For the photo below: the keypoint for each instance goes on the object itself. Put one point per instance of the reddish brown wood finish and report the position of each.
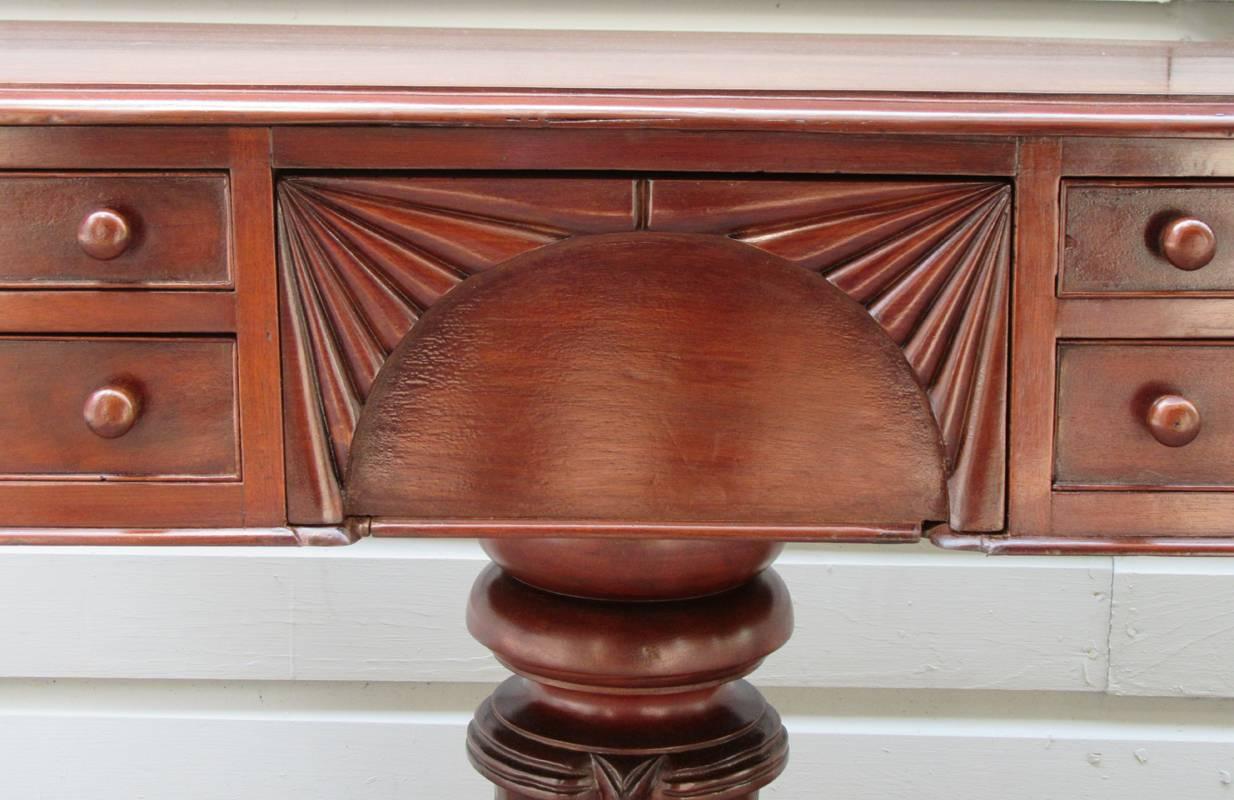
(1145, 318)
(120, 506)
(1146, 158)
(1031, 419)
(1147, 239)
(855, 112)
(182, 428)
(111, 311)
(549, 528)
(624, 701)
(557, 383)
(167, 230)
(684, 567)
(1118, 514)
(238, 160)
(635, 149)
(105, 233)
(363, 258)
(367, 255)
(1123, 420)
(257, 328)
(112, 410)
(930, 263)
(65, 148)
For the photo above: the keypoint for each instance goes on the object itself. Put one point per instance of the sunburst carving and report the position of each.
(363, 257)
(929, 260)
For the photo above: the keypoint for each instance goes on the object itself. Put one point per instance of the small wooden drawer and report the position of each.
(1145, 415)
(126, 231)
(1147, 239)
(118, 409)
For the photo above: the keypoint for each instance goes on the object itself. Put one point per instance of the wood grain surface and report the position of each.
(186, 428)
(176, 234)
(1106, 394)
(559, 382)
(1113, 238)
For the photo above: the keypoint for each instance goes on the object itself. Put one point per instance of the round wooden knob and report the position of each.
(104, 234)
(1173, 420)
(112, 411)
(1188, 243)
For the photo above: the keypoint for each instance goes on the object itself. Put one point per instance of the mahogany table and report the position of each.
(632, 339)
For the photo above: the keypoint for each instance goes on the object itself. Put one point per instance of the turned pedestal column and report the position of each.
(633, 422)
(636, 691)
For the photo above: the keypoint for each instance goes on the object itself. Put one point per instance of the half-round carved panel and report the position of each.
(648, 377)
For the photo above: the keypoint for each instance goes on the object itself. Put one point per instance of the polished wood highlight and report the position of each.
(1173, 420)
(852, 112)
(1187, 243)
(160, 231)
(112, 411)
(105, 234)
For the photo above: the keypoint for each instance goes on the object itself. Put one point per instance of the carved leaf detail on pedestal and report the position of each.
(537, 765)
(930, 261)
(363, 257)
(636, 780)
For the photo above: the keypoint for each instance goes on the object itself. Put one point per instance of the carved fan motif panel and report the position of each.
(363, 257)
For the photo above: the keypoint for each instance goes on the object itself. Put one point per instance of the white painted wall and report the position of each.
(1197, 20)
(281, 674)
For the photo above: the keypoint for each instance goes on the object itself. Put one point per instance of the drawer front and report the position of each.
(1145, 415)
(137, 409)
(126, 231)
(1123, 238)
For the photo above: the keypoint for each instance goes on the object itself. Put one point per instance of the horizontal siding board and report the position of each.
(913, 617)
(1172, 627)
(136, 740)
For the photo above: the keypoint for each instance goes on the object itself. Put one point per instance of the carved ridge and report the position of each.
(363, 257)
(929, 261)
(508, 757)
